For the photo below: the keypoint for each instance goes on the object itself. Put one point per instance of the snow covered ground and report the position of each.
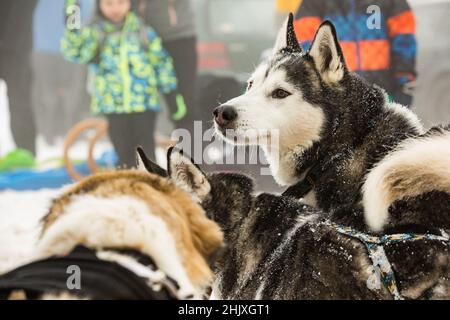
(20, 213)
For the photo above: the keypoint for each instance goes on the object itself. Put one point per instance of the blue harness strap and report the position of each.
(380, 262)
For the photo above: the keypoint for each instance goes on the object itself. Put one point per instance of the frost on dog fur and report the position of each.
(343, 138)
(269, 235)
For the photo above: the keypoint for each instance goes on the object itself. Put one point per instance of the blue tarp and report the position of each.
(27, 180)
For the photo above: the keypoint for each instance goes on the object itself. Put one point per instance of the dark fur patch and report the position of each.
(358, 132)
(269, 253)
(149, 165)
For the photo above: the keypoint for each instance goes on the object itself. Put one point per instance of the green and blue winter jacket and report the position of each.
(128, 72)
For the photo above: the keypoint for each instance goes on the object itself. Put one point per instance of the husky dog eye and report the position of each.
(280, 94)
(249, 85)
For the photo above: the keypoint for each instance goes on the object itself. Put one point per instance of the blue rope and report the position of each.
(380, 262)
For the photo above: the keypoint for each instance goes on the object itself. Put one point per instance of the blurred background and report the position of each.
(45, 140)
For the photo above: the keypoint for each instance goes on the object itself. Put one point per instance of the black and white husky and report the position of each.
(343, 147)
(278, 248)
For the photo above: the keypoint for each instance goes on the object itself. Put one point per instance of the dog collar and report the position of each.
(303, 187)
(375, 246)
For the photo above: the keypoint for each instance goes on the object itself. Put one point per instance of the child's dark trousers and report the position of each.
(127, 131)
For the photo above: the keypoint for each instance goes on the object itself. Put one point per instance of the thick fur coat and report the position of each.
(376, 167)
(279, 248)
(118, 211)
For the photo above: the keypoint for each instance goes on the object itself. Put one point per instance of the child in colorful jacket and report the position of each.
(377, 38)
(130, 68)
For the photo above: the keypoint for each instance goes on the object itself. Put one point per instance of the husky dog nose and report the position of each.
(224, 115)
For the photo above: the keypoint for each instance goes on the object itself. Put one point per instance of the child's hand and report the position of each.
(177, 106)
(71, 3)
(181, 109)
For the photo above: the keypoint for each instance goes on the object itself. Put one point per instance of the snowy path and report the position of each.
(20, 213)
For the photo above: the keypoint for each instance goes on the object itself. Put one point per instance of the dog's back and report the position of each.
(285, 250)
(280, 248)
(417, 172)
(139, 212)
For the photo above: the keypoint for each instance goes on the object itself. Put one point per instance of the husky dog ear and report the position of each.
(287, 39)
(186, 174)
(327, 54)
(145, 164)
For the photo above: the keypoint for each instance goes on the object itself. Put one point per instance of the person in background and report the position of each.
(130, 68)
(174, 21)
(376, 36)
(16, 42)
(60, 97)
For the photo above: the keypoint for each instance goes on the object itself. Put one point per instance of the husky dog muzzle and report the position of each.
(225, 116)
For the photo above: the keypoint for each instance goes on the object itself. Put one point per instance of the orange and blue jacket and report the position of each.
(376, 36)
